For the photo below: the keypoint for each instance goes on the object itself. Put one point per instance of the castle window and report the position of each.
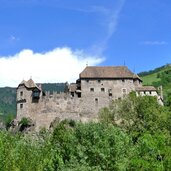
(72, 94)
(124, 91)
(79, 95)
(21, 106)
(36, 94)
(110, 92)
(96, 100)
(87, 81)
(21, 93)
(92, 89)
(102, 89)
(99, 81)
(123, 80)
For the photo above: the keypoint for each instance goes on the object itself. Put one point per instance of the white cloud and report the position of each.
(108, 17)
(110, 23)
(12, 39)
(58, 65)
(154, 43)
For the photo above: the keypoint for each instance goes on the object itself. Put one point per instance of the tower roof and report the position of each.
(29, 84)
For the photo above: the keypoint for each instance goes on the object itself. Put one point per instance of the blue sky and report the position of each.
(98, 32)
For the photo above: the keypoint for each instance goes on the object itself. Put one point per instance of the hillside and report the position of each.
(159, 77)
(7, 100)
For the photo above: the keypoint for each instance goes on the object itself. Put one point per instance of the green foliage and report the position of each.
(7, 120)
(22, 153)
(148, 125)
(25, 121)
(133, 134)
(7, 101)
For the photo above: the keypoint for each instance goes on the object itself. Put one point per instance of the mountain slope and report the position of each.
(159, 77)
(7, 100)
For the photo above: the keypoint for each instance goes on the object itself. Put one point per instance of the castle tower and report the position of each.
(27, 93)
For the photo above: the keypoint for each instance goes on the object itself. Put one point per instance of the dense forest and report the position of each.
(132, 134)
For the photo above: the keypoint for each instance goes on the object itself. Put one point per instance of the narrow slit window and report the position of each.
(21, 106)
(102, 89)
(21, 93)
(124, 91)
(91, 89)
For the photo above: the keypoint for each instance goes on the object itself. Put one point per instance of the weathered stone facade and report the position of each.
(95, 89)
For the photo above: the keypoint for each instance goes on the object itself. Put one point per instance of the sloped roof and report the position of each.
(145, 88)
(107, 72)
(29, 84)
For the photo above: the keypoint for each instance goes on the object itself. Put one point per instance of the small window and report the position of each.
(123, 80)
(87, 81)
(92, 89)
(21, 93)
(72, 94)
(96, 100)
(102, 89)
(124, 91)
(110, 94)
(79, 95)
(99, 81)
(150, 92)
(36, 94)
(21, 106)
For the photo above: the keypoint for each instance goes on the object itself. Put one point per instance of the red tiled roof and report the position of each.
(107, 72)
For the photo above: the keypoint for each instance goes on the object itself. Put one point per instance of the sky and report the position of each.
(54, 40)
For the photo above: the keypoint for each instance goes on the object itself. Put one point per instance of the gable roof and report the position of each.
(29, 84)
(108, 72)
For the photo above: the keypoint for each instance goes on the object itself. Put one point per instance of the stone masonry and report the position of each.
(96, 88)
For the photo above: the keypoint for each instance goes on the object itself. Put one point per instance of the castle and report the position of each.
(96, 88)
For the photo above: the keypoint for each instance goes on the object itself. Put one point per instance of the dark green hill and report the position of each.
(159, 77)
(7, 101)
(53, 87)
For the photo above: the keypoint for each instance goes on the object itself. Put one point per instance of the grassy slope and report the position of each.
(160, 77)
(150, 78)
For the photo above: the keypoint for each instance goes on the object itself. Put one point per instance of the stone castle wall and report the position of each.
(52, 106)
(95, 95)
